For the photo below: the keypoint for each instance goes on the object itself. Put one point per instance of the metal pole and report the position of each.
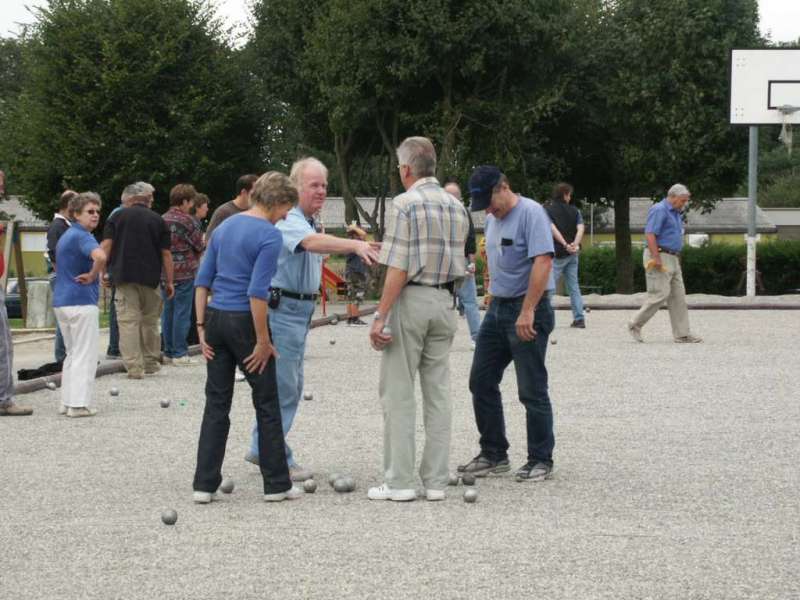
(752, 189)
(591, 224)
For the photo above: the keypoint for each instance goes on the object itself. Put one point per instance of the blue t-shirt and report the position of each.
(667, 225)
(240, 262)
(298, 271)
(511, 244)
(74, 252)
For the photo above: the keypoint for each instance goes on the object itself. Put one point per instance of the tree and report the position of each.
(124, 90)
(661, 90)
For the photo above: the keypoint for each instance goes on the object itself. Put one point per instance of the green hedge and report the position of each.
(714, 269)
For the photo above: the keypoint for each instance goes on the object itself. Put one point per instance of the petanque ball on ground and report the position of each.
(227, 485)
(310, 486)
(334, 320)
(332, 342)
(453, 480)
(164, 403)
(114, 391)
(51, 385)
(169, 517)
(470, 495)
(308, 396)
(553, 341)
(468, 479)
(344, 485)
(333, 477)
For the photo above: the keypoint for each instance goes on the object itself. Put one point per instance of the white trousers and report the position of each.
(81, 330)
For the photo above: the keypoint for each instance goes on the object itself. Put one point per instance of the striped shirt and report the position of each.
(426, 230)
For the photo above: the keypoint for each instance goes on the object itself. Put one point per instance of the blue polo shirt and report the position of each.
(298, 271)
(511, 245)
(667, 225)
(240, 262)
(74, 252)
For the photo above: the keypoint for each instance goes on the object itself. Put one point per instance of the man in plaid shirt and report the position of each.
(423, 248)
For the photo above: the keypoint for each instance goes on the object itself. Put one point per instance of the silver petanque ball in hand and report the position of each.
(309, 486)
(169, 517)
(470, 495)
(164, 403)
(227, 485)
(114, 391)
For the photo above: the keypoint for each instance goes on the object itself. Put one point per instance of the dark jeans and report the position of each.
(60, 349)
(113, 327)
(233, 337)
(497, 345)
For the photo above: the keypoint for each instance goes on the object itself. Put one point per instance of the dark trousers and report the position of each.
(497, 345)
(233, 337)
(113, 327)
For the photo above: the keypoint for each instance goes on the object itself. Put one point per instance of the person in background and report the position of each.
(241, 259)
(239, 204)
(199, 211)
(186, 246)
(57, 228)
(80, 263)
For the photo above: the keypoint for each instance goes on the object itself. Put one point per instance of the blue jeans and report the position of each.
(61, 349)
(568, 267)
(468, 296)
(113, 327)
(497, 346)
(176, 319)
(233, 337)
(288, 325)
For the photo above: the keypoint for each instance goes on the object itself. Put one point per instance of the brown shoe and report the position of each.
(81, 411)
(688, 339)
(14, 410)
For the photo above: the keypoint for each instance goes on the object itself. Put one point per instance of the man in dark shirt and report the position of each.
(57, 228)
(137, 242)
(244, 185)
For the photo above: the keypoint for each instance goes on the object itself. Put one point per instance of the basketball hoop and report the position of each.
(786, 129)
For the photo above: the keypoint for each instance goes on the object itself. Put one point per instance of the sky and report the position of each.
(779, 18)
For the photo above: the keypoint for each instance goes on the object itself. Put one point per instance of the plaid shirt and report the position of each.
(425, 234)
(186, 245)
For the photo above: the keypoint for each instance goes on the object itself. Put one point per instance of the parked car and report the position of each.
(13, 301)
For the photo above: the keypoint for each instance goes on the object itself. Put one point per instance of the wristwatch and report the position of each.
(377, 316)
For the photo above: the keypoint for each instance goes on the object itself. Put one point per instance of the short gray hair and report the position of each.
(678, 190)
(299, 167)
(140, 189)
(79, 201)
(273, 189)
(419, 154)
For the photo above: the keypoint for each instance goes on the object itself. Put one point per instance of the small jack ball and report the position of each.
(165, 403)
(227, 485)
(114, 391)
(310, 486)
(169, 517)
(308, 396)
(468, 479)
(470, 495)
(51, 385)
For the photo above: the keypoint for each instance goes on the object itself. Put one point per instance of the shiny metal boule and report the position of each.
(309, 486)
(227, 485)
(468, 479)
(164, 403)
(169, 517)
(470, 495)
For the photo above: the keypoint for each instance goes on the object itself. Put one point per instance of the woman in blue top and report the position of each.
(80, 261)
(237, 269)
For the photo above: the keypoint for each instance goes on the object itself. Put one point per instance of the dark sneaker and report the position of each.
(481, 466)
(358, 322)
(534, 471)
(579, 324)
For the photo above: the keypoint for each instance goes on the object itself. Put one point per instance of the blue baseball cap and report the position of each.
(481, 183)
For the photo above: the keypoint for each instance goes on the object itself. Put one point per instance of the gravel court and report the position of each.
(676, 477)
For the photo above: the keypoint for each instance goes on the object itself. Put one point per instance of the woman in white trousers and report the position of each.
(79, 261)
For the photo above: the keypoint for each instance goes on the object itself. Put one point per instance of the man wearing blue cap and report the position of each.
(519, 247)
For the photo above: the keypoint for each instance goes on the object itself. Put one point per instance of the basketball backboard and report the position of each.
(762, 82)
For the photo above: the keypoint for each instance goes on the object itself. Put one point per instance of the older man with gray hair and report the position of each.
(662, 264)
(414, 325)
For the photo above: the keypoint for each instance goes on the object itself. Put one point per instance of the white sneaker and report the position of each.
(80, 411)
(202, 497)
(434, 495)
(293, 493)
(384, 492)
(184, 361)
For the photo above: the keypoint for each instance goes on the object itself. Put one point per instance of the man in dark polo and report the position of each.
(137, 242)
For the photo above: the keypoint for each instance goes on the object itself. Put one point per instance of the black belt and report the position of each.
(295, 295)
(449, 286)
(660, 249)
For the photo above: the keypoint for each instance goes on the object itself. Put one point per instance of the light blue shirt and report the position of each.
(511, 245)
(298, 271)
(667, 225)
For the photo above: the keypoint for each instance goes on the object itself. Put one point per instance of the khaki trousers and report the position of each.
(665, 286)
(423, 324)
(138, 313)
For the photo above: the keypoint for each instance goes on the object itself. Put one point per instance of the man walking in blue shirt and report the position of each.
(662, 264)
(519, 247)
